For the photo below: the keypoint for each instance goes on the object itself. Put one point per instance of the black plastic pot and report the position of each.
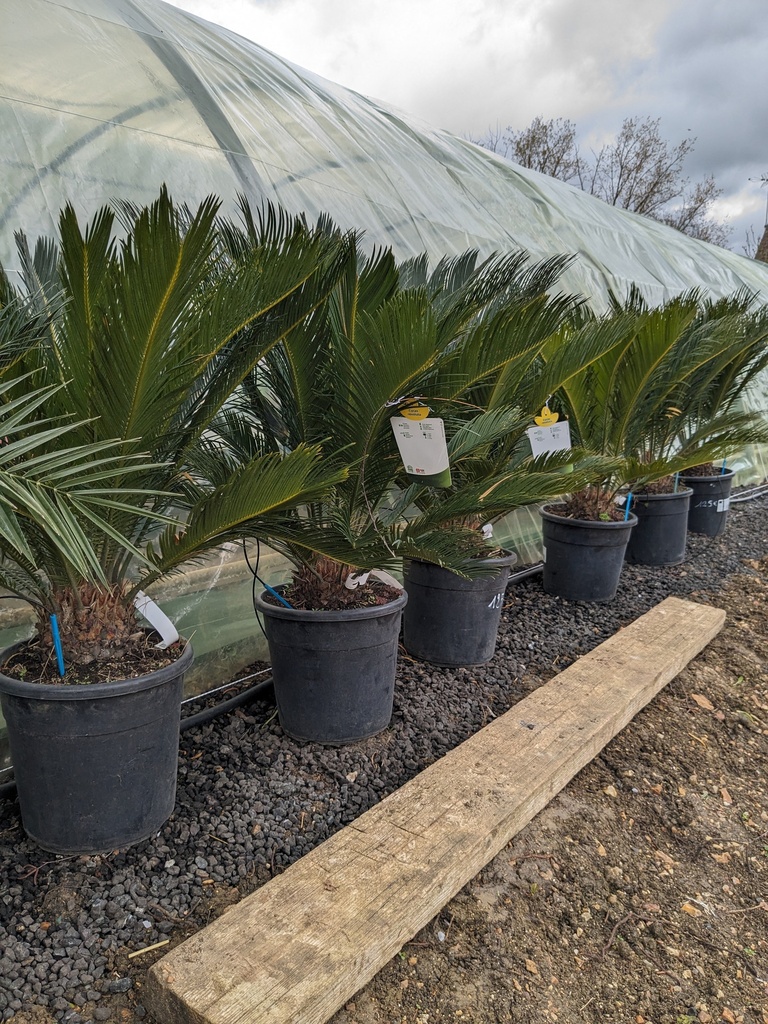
(333, 672)
(662, 528)
(450, 620)
(582, 558)
(95, 764)
(711, 497)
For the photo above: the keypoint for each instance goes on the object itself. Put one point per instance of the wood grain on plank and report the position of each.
(297, 949)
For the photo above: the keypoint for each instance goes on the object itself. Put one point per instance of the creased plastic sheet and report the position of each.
(110, 98)
(105, 99)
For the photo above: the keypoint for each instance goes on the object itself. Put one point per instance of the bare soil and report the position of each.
(640, 894)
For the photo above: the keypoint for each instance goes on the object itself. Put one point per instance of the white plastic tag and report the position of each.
(356, 579)
(359, 579)
(423, 449)
(157, 618)
(487, 531)
(554, 438)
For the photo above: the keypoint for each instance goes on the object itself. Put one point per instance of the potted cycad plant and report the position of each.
(390, 333)
(716, 392)
(454, 609)
(144, 341)
(386, 332)
(701, 357)
(638, 405)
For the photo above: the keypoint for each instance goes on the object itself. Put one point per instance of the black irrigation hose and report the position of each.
(522, 574)
(260, 691)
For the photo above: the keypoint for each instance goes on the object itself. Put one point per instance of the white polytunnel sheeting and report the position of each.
(106, 99)
(111, 98)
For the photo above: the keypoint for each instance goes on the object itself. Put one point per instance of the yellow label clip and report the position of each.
(417, 411)
(546, 419)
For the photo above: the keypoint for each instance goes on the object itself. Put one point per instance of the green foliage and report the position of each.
(466, 337)
(665, 397)
(134, 348)
(204, 380)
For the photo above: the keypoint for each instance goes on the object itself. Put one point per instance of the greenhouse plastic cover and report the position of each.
(106, 99)
(111, 98)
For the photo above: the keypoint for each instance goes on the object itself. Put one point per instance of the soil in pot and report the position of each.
(95, 764)
(450, 620)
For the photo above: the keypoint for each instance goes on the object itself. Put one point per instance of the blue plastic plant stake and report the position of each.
(677, 481)
(628, 506)
(722, 468)
(274, 593)
(57, 644)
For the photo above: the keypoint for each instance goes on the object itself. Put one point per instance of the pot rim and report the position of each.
(508, 558)
(90, 691)
(618, 524)
(727, 475)
(278, 611)
(681, 492)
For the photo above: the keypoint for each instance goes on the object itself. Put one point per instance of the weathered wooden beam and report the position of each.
(297, 949)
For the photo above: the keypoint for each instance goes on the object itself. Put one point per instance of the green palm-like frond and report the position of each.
(136, 348)
(663, 397)
(253, 500)
(48, 502)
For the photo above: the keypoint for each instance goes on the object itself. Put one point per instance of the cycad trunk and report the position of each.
(94, 623)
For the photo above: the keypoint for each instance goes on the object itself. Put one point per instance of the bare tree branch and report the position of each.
(638, 171)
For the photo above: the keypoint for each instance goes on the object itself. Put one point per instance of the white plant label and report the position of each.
(359, 579)
(423, 449)
(157, 618)
(718, 504)
(554, 438)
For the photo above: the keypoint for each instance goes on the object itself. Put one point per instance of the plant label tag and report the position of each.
(723, 504)
(546, 417)
(157, 618)
(546, 439)
(423, 449)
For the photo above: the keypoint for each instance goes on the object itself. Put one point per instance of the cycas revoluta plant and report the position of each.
(144, 341)
(465, 338)
(666, 397)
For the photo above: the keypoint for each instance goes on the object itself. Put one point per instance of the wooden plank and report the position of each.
(297, 949)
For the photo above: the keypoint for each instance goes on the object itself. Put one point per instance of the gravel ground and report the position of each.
(251, 801)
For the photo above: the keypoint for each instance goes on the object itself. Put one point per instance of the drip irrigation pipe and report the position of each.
(756, 492)
(261, 691)
(521, 574)
(197, 697)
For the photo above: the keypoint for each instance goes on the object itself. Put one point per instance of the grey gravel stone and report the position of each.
(121, 985)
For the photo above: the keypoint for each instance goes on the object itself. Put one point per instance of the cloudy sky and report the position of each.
(698, 65)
